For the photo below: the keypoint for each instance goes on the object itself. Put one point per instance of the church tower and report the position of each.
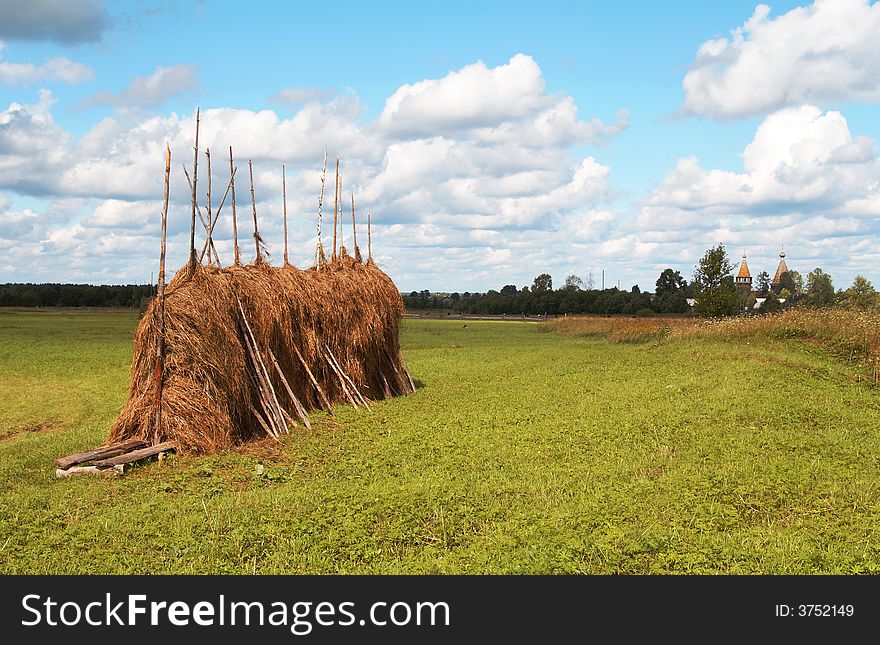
(782, 269)
(744, 278)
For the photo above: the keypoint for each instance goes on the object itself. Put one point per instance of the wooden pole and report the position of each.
(210, 215)
(234, 222)
(369, 235)
(199, 213)
(214, 223)
(354, 226)
(335, 207)
(254, 207)
(341, 225)
(318, 250)
(192, 227)
(160, 304)
(284, 194)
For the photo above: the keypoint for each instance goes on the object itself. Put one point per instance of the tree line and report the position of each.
(713, 292)
(713, 289)
(74, 295)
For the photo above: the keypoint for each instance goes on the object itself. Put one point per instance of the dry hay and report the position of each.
(210, 396)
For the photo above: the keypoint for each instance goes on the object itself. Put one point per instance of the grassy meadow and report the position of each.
(523, 451)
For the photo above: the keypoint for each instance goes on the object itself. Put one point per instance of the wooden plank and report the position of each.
(136, 455)
(100, 453)
(88, 470)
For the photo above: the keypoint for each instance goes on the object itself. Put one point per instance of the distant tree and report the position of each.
(714, 288)
(674, 302)
(820, 291)
(762, 283)
(635, 289)
(861, 295)
(508, 289)
(669, 282)
(770, 304)
(542, 283)
(573, 282)
(793, 281)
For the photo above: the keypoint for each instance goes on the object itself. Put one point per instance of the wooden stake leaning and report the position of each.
(160, 305)
(262, 422)
(300, 410)
(348, 378)
(341, 377)
(406, 371)
(192, 227)
(271, 415)
(214, 222)
(400, 379)
(324, 400)
(234, 222)
(201, 217)
(263, 372)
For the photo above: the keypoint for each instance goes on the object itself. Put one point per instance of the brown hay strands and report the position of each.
(305, 326)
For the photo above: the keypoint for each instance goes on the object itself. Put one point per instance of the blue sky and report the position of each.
(492, 141)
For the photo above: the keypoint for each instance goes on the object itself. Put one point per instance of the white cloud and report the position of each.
(32, 147)
(477, 185)
(473, 96)
(151, 90)
(806, 182)
(799, 158)
(824, 52)
(56, 69)
(504, 103)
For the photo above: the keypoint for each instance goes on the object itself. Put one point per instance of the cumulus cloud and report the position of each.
(151, 90)
(507, 102)
(476, 186)
(32, 148)
(56, 69)
(60, 21)
(824, 52)
(799, 158)
(806, 182)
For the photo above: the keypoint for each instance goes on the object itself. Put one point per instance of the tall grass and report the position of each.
(851, 335)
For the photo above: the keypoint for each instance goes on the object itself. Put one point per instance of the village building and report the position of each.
(744, 279)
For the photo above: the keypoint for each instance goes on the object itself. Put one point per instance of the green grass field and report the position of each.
(523, 451)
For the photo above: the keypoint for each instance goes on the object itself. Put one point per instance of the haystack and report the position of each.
(309, 321)
(223, 355)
